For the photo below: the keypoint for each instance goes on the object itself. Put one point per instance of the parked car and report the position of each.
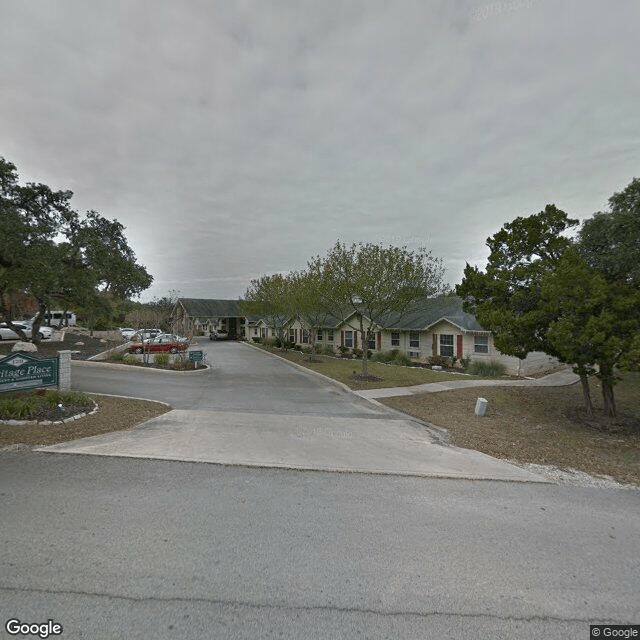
(163, 338)
(213, 334)
(127, 332)
(7, 333)
(154, 347)
(145, 334)
(44, 332)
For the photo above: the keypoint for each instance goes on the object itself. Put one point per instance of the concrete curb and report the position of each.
(113, 365)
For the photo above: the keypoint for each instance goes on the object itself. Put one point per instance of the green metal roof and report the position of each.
(205, 308)
(434, 310)
(447, 308)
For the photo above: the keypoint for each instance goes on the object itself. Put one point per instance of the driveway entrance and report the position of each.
(254, 409)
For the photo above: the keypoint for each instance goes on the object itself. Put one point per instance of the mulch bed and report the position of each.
(83, 346)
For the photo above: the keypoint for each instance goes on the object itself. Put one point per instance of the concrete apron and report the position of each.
(319, 443)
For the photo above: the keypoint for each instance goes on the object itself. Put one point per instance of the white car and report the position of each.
(127, 332)
(45, 333)
(145, 334)
(7, 333)
(163, 338)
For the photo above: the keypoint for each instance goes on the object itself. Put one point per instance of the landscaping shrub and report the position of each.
(257, 339)
(402, 359)
(306, 350)
(20, 406)
(343, 350)
(484, 369)
(439, 361)
(357, 353)
(117, 356)
(129, 358)
(328, 350)
(317, 348)
(162, 358)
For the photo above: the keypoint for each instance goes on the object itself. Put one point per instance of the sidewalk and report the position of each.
(557, 379)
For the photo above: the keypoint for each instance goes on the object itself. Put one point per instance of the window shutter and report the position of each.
(355, 339)
(379, 340)
(342, 338)
(459, 346)
(434, 348)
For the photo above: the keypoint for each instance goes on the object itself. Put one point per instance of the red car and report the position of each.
(154, 347)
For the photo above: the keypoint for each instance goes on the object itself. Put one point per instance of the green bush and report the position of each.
(74, 397)
(18, 408)
(257, 339)
(439, 361)
(357, 352)
(317, 348)
(342, 349)
(385, 356)
(117, 356)
(162, 358)
(402, 359)
(129, 358)
(328, 350)
(484, 369)
(22, 405)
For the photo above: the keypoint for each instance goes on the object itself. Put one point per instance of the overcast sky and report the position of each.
(234, 138)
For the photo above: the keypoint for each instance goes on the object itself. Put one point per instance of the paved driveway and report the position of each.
(254, 409)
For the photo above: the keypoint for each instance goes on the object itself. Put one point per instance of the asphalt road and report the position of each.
(240, 379)
(113, 547)
(122, 548)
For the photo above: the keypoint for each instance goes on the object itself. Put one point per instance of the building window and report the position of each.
(481, 344)
(446, 345)
(414, 339)
(348, 339)
(319, 335)
(371, 342)
(330, 335)
(395, 339)
(305, 336)
(292, 335)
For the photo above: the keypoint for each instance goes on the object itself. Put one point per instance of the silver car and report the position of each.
(7, 333)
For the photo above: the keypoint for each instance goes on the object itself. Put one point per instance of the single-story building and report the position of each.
(197, 316)
(441, 329)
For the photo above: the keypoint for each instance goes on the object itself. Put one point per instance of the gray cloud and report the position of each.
(234, 139)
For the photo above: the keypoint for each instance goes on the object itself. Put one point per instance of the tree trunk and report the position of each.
(586, 393)
(609, 401)
(363, 344)
(607, 380)
(312, 342)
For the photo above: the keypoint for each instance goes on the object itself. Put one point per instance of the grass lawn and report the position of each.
(391, 375)
(540, 425)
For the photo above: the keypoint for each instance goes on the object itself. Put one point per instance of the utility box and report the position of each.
(481, 406)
